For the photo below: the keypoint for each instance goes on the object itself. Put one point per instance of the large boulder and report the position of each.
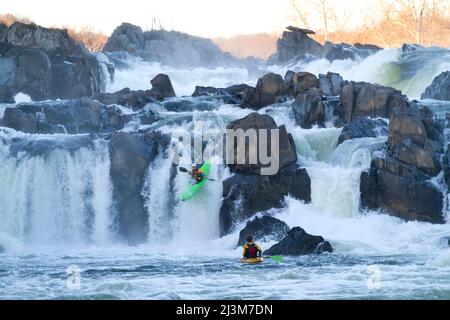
(130, 156)
(298, 242)
(138, 99)
(286, 155)
(310, 109)
(401, 190)
(265, 228)
(439, 89)
(330, 84)
(365, 127)
(296, 43)
(230, 95)
(415, 137)
(6, 95)
(47, 64)
(162, 87)
(300, 82)
(344, 51)
(126, 37)
(168, 47)
(75, 116)
(361, 99)
(245, 195)
(33, 36)
(400, 181)
(270, 89)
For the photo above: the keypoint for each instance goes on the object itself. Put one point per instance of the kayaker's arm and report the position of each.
(244, 250)
(259, 249)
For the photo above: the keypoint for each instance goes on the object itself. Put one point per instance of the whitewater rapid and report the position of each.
(57, 209)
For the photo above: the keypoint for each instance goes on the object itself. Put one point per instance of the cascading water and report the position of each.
(61, 197)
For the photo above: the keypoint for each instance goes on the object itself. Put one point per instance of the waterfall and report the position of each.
(62, 197)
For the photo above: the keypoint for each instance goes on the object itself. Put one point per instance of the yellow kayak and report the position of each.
(252, 260)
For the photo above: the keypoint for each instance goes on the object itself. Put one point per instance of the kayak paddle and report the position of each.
(187, 171)
(275, 258)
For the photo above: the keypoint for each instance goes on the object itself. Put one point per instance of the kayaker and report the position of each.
(197, 174)
(251, 249)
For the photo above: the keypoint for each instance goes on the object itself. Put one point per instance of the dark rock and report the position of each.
(401, 190)
(47, 64)
(162, 87)
(364, 127)
(300, 82)
(130, 159)
(295, 44)
(287, 151)
(330, 84)
(34, 36)
(130, 156)
(135, 100)
(245, 195)
(270, 89)
(406, 47)
(39, 146)
(362, 99)
(265, 228)
(367, 47)
(168, 47)
(446, 166)
(6, 95)
(73, 116)
(298, 242)
(126, 37)
(309, 109)
(230, 95)
(17, 120)
(416, 138)
(439, 89)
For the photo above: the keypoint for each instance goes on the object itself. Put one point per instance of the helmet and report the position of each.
(194, 166)
(249, 239)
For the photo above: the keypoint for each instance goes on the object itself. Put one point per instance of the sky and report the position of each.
(207, 18)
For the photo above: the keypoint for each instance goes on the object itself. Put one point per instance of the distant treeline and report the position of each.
(424, 22)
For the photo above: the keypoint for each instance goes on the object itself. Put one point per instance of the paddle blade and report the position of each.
(277, 258)
(183, 169)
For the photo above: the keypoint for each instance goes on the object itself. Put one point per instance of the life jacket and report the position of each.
(252, 251)
(198, 174)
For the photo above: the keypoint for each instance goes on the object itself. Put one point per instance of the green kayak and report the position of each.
(194, 188)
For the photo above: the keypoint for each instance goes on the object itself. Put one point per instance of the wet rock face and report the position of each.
(416, 138)
(401, 190)
(362, 128)
(47, 64)
(330, 84)
(361, 99)
(245, 195)
(230, 95)
(168, 47)
(294, 44)
(298, 242)
(138, 99)
(130, 156)
(270, 89)
(263, 229)
(309, 109)
(400, 182)
(439, 89)
(300, 82)
(162, 87)
(74, 116)
(286, 156)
